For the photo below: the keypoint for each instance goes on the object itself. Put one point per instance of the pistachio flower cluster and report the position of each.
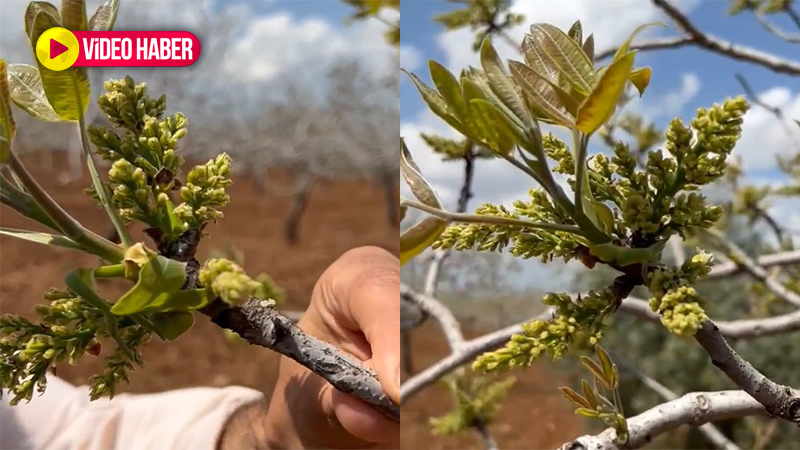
(228, 281)
(524, 242)
(204, 192)
(69, 328)
(675, 300)
(574, 323)
(477, 400)
(146, 165)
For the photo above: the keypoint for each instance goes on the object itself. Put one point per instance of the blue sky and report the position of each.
(683, 80)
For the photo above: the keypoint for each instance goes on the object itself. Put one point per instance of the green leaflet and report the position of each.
(7, 126)
(42, 238)
(605, 216)
(450, 90)
(27, 92)
(67, 91)
(436, 103)
(576, 32)
(73, 15)
(641, 79)
(419, 237)
(500, 135)
(544, 94)
(105, 16)
(81, 282)
(601, 103)
(588, 48)
(158, 278)
(501, 84)
(565, 54)
(420, 187)
(170, 325)
(624, 256)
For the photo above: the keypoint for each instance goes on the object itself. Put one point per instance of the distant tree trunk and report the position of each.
(304, 186)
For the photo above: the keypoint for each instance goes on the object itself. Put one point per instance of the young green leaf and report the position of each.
(170, 325)
(419, 185)
(189, 300)
(624, 256)
(499, 137)
(67, 91)
(605, 361)
(544, 94)
(641, 79)
(35, 8)
(437, 103)
(105, 16)
(27, 92)
(419, 237)
(601, 103)
(73, 15)
(7, 126)
(161, 276)
(501, 84)
(586, 413)
(596, 370)
(450, 89)
(576, 32)
(588, 393)
(588, 48)
(605, 216)
(81, 282)
(575, 398)
(566, 54)
(43, 238)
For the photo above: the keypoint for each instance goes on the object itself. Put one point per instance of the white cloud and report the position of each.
(410, 57)
(764, 136)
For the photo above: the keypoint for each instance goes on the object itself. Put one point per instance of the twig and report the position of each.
(433, 307)
(779, 400)
(696, 408)
(711, 433)
(693, 36)
(778, 113)
(774, 260)
(260, 324)
(779, 32)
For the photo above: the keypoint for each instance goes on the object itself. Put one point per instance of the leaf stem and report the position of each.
(493, 220)
(113, 271)
(66, 223)
(100, 188)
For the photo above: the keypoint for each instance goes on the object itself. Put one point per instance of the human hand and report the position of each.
(356, 307)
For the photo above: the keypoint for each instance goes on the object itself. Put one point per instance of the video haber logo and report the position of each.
(59, 49)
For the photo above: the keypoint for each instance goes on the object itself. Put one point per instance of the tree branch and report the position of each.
(693, 36)
(433, 307)
(696, 409)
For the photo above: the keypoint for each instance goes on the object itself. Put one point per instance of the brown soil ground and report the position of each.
(340, 216)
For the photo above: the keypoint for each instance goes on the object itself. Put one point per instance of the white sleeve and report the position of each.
(63, 418)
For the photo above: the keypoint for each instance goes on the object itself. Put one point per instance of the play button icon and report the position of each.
(57, 48)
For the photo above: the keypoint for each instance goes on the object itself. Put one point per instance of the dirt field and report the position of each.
(340, 216)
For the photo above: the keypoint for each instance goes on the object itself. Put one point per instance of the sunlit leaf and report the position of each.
(588, 48)
(416, 239)
(625, 256)
(596, 370)
(73, 15)
(189, 300)
(41, 238)
(501, 84)
(27, 92)
(105, 16)
(576, 32)
(161, 276)
(602, 101)
(436, 103)
(7, 126)
(608, 366)
(170, 325)
(67, 91)
(623, 49)
(605, 216)
(450, 89)
(498, 132)
(544, 94)
(566, 54)
(574, 397)
(588, 393)
(641, 79)
(35, 8)
(422, 190)
(586, 413)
